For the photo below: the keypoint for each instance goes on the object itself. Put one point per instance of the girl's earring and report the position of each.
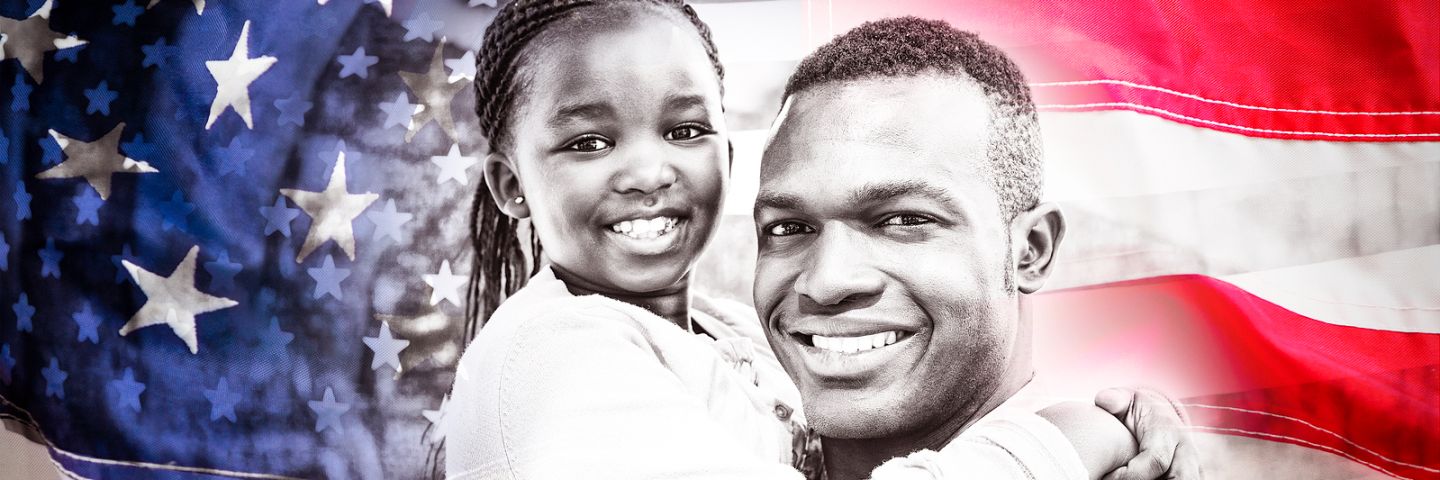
(520, 200)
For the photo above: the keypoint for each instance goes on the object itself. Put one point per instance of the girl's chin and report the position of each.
(645, 279)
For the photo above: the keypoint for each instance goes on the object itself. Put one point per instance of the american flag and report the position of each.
(232, 233)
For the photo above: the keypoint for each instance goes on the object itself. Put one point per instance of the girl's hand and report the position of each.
(1159, 424)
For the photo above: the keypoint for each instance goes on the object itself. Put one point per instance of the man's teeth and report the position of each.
(645, 228)
(855, 344)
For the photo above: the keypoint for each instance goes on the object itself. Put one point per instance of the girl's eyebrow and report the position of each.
(683, 101)
(568, 114)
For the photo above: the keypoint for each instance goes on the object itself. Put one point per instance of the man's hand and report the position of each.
(1158, 423)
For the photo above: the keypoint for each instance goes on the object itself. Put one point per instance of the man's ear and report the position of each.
(1040, 230)
(504, 185)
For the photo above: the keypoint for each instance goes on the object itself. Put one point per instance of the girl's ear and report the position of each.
(504, 185)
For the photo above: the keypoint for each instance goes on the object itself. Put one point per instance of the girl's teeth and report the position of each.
(645, 228)
(855, 344)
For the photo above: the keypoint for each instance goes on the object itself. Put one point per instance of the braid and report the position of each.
(498, 263)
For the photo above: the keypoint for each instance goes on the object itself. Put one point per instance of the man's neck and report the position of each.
(847, 459)
(672, 303)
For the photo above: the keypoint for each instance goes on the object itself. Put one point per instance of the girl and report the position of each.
(606, 132)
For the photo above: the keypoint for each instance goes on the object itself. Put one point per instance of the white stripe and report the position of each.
(1170, 114)
(1218, 102)
(1302, 442)
(1397, 291)
(1316, 427)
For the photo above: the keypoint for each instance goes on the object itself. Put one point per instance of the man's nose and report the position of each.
(837, 272)
(646, 169)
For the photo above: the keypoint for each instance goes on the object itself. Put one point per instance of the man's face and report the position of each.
(881, 278)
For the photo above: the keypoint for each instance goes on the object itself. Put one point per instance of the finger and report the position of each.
(1186, 464)
(1148, 465)
(1115, 400)
(1159, 401)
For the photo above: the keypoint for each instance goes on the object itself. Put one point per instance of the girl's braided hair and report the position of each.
(498, 264)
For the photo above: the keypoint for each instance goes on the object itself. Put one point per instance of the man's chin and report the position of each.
(855, 415)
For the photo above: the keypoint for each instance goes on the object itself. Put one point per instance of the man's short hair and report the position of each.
(909, 46)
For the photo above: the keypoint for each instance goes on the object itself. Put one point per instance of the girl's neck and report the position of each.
(672, 303)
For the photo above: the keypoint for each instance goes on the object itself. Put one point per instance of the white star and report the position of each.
(328, 412)
(437, 416)
(173, 300)
(445, 285)
(95, 161)
(462, 68)
(199, 5)
(29, 39)
(331, 212)
(388, 221)
(386, 347)
(453, 166)
(233, 79)
(434, 90)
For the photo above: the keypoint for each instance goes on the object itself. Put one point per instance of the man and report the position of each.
(900, 224)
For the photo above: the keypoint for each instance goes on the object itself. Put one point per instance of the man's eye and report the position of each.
(906, 220)
(785, 229)
(588, 144)
(685, 132)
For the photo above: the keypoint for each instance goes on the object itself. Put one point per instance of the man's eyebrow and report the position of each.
(882, 191)
(568, 114)
(778, 200)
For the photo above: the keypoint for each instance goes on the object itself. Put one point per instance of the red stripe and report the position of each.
(1370, 395)
(1243, 59)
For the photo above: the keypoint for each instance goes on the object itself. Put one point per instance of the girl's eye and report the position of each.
(685, 132)
(589, 144)
(906, 220)
(785, 229)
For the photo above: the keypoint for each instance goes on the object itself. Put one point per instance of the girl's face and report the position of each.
(620, 150)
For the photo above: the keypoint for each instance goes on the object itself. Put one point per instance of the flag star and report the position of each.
(445, 285)
(388, 221)
(278, 217)
(138, 148)
(100, 98)
(222, 271)
(88, 204)
(125, 254)
(233, 77)
(175, 212)
(454, 166)
(22, 201)
(488, 3)
(462, 68)
(386, 348)
(28, 39)
(173, 300)
(20, 94)
(126, 13)
(157, 52)
(71, 54)
(328, 278)
(292, 110)
(222, 401)
(352, 156)
(24, 313)
(421, 26)
(437, 416)
(88, 324)
(400, 112)
(50, 259)
(127, 390)
(435, 92)
(4, 253)
(7, 362)
(54, 379)
(357, 63)
(199, 5)
(274, 339)
(94, 161)
(50, 150)
(331, 212)
(234, 158)
(328, 411)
